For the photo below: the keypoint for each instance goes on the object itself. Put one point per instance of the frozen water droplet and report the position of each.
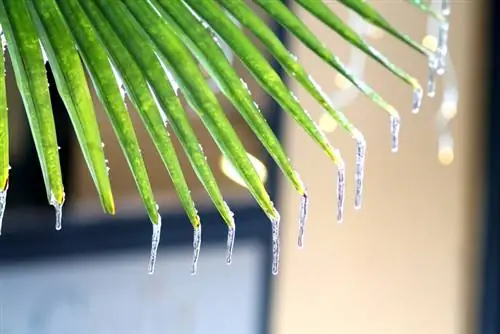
(340, 192)
(275, 226)
(304, 203)
(58, 207)
(431, 79)
(395, 124)
(3, 203)
(417, 100)
(196, 249)
(230, 244)
(155, 241)
(360, 171)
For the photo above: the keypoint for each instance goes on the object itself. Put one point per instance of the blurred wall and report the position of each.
(407, 262)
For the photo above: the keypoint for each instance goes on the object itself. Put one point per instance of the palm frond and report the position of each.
(149, 52)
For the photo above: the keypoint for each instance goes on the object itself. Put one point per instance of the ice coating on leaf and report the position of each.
(360, 169)
(155, 241)
(58, 208)
(275, 226)
(231, 232)
(4, 41)
(119, 81)
(304, 204)
(395, 125)
(340, 192)
(196, 249)
(44, 54)
(170, 76)
(417, 100)
(3, 204)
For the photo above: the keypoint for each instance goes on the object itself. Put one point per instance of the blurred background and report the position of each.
(409, 262)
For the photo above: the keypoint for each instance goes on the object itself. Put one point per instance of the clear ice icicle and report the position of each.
(3, 203)
(58, 207)
(417, 100)
(275, 226)
(155, 241)
(340, 192)
(230, 244)
(445, 7)
(431, 79)
(196, 249)
(395, 124)
(360, 170)
(442, 48)
(304, 203)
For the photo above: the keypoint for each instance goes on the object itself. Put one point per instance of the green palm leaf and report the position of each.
(154, 47)
(72, 86)
(4, 138)
(27, 61)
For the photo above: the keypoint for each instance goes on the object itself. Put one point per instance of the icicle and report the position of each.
(417, 100)
(196, 249)
(304, 203)
(275, 223)
(360, 169)
(58, 207)
(445, 7)
(230, 244)
(431, 79)
(155, 241)
(442, 48)
(395, 124)
(340, 192)
(3, 203)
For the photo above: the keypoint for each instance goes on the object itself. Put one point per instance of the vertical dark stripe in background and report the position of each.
(489, 314)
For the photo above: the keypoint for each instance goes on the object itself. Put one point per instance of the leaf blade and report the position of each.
(251, 21)
(200, 42)
(97, 63)
(260, 69)
(371, 15)
(72, 87)
(4, 126)
(195, 89)
(32, 82)
(321, 11)
(288, 19)
(143, 100)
